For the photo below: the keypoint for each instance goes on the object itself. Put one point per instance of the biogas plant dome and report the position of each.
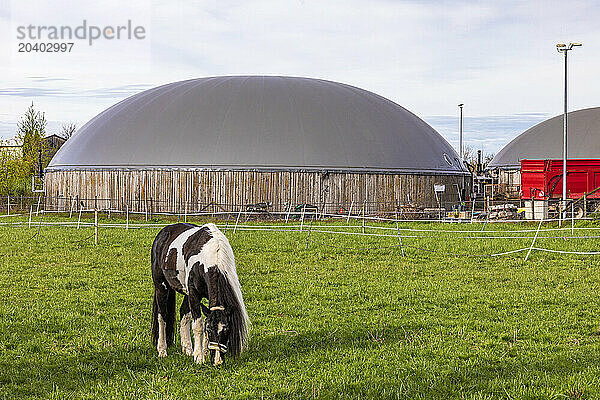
(545, 140)
(258, 123)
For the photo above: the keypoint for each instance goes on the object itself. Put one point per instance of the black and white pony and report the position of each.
(198, 262)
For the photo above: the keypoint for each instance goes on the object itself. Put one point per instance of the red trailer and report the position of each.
(542, 179)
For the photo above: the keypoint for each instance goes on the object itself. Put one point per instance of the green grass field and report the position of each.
(327, 322)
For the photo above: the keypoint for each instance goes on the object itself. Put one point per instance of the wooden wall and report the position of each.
(197, 190)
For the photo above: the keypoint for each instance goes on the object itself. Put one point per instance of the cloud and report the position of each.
(46, 79)
(117, 92)
(496, 57)
(5, 9)
(489, 133)
(7, 129)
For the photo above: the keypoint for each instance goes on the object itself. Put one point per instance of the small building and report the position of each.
(53, 142)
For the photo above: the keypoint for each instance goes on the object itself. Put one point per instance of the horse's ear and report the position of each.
(205, 309)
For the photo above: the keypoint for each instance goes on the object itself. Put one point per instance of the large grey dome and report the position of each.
(258, 122)
(545, 140)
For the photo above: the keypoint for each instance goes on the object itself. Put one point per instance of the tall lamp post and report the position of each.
(563, 48)
(460, 135)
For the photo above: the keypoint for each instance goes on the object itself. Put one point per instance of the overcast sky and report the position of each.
(496, 57)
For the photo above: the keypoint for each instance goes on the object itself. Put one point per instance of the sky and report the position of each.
(496, 57)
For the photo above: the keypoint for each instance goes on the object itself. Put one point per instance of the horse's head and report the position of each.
(217, 329)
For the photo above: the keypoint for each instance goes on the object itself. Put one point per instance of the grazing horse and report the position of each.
(198, 262)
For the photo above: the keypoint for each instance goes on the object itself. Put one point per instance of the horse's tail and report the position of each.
(168, 314)
(169, 319)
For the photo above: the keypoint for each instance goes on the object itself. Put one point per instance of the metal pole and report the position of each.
(563, 48)
(564, 182)
(460, 136)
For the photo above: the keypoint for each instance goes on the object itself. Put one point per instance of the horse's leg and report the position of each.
(197, 325)
(184, 329)
(162, 295)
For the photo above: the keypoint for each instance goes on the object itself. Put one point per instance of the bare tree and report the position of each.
(488, 157)
(67, 130)
(470, 154)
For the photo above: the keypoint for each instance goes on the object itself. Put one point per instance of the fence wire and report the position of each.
(298, 223)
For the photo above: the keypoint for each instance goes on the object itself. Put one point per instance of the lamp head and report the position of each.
(460, 105)
(563, 48)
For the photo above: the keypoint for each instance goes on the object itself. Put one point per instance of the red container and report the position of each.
(542, 179)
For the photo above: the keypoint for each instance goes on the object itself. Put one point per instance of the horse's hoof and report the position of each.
(162, 353)
(199, 359)
(218, 359)
(187, 351)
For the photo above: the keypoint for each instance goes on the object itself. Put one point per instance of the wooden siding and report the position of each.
(196, 190)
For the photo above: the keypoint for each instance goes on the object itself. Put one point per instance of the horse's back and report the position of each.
(164, 238)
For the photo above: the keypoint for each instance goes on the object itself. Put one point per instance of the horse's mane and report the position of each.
(230, 293)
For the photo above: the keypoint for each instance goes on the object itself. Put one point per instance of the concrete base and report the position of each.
(536, 209)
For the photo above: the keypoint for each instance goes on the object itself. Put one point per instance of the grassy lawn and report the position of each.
(327, 322)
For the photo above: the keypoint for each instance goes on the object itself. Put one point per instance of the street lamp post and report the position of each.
(460, 135)
(563, 48)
